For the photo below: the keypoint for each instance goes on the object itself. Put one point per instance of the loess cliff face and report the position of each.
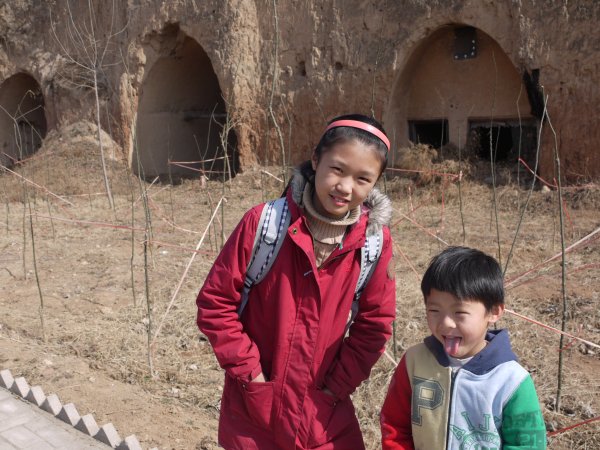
(184, 79)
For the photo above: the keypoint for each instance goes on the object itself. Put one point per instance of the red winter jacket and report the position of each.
(293, 331)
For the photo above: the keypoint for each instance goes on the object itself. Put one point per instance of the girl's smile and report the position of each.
(344, 176)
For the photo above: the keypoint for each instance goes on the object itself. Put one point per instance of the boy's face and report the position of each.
(460, 326)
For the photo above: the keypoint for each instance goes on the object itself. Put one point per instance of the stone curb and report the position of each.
(68, 413)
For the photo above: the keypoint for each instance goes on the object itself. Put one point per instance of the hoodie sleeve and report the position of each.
(219, 299)
(371, 329)
(396, 427)
(523, 425)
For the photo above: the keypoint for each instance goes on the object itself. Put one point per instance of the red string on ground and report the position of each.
(548, 327)
(572, 341)
(425, 230)
(397, 246)
(585, 239)
(562, 430)
(553, 275)
(536, 175)
(87, 222)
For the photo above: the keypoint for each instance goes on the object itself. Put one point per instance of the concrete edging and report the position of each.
(68, 413)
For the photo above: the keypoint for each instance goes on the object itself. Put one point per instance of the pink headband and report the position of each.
(362, 126)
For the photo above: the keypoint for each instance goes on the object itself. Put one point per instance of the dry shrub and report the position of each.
(422, 165)
(82, 136)
(472, 146)
(395, 184)
(67, 151)
(583, 197)
(450, 151)
(451, 167)
(418, 161)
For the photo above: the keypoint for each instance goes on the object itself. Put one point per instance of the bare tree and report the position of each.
(86, 52)
(273, 87)
(26, 209)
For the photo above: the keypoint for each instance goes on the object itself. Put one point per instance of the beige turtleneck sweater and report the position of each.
(327, 233)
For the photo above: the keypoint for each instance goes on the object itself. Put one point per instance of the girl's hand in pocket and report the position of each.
(260, 378)
(326, 390)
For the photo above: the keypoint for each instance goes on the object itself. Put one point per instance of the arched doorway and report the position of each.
(181, 117)
(22, 118)
(460, 87)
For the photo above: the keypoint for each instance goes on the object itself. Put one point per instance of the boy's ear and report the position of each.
(495, 313)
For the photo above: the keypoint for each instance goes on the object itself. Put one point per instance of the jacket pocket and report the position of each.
(322, 409)
(258, 402)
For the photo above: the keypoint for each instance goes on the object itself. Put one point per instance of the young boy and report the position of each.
(462, 388)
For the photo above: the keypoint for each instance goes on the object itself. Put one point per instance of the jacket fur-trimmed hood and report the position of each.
(378, 204)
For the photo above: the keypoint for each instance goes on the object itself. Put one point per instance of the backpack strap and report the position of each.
(270, 234)
(369, 255)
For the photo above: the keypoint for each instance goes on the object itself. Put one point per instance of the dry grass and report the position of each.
(93, 325)
(68, 164)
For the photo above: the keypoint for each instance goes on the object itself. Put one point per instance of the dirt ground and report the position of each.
(96, 282)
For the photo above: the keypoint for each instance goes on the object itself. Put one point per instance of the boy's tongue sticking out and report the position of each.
(451, 344)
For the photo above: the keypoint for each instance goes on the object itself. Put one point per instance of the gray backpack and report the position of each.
(270, 233)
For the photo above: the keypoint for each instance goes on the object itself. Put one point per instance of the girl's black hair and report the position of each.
(466, 273)
(345, 134)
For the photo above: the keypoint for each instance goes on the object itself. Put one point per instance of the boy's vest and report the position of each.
(270, 233)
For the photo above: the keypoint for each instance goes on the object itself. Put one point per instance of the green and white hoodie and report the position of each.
(489, 403)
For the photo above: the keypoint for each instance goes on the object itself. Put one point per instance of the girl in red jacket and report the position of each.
(290, 366)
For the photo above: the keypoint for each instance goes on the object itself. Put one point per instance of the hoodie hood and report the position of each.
(497, 351)
(377, 204)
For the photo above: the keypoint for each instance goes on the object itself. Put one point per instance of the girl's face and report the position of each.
(344, 176)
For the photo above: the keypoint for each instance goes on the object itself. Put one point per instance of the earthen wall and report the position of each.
(302, 63)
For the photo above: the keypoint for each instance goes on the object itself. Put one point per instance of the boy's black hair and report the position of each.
(466, 273)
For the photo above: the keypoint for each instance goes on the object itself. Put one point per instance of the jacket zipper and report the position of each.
(452, 382)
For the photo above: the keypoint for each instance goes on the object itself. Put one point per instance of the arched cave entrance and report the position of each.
(181, 117)
(22, 118)
(460, 87)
